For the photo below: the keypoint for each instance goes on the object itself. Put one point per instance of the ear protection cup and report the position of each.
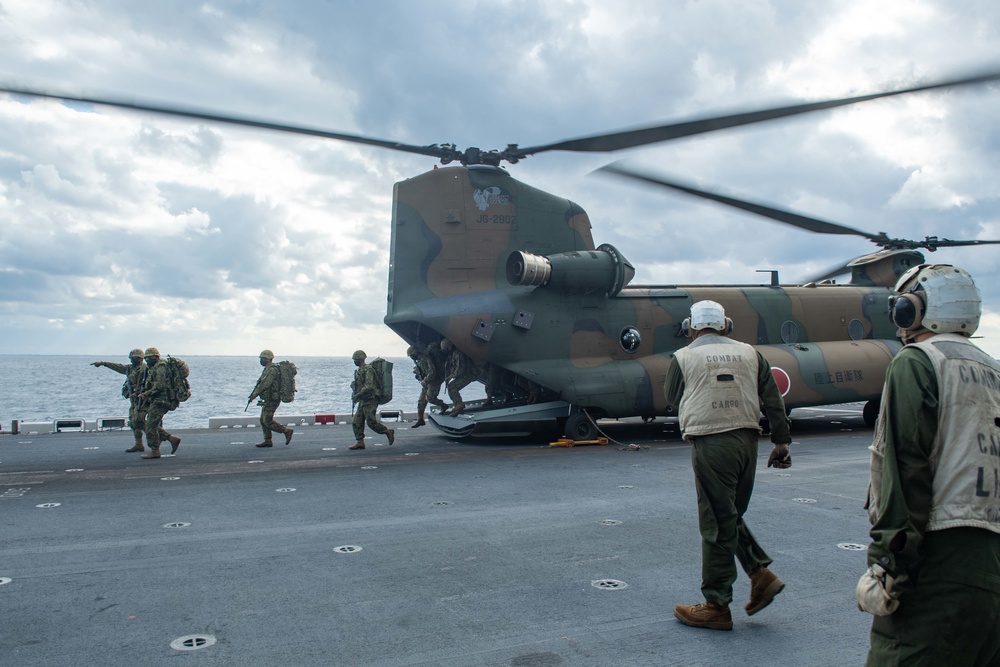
(906, 311)
(729, 327)
(686, 327)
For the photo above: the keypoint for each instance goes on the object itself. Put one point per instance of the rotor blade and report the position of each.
(443, 152)
(787, 217)
(830, 273)
(933, 243)
(616, 141)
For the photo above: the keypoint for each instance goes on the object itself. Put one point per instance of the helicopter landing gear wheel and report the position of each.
(580, 427)
(870, 412)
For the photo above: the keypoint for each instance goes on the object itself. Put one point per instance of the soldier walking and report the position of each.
(430, 375)
(268, 389)
(365, 396)
(154, 398)
(460, 372)
(133, 372)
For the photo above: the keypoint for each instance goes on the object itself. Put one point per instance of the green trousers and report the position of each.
(366, 413)
(155, 434)
(725, 465)
(952, 615)
(267, 421)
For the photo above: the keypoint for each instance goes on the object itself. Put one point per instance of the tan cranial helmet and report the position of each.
(151, 352)
(266, 354)
(939, 298)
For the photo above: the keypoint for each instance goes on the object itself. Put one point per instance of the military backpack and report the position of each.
(383, 379)
(287, 371)
(178, 389)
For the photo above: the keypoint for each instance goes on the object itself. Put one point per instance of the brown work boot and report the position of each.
(175, 442)
(360, 444)
(137, 447)
(391, 434)
(704, 615)
(288, 435)
(764, 585)
(266, 443)
(420, 422)
(153, 453)
(458, 409)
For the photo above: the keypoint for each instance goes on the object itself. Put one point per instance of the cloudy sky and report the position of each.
(121, 229)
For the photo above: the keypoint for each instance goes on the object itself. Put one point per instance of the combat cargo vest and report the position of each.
(720, 386)
(965, 454)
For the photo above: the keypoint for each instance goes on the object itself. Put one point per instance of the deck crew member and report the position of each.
(933, 578)
(720, 385)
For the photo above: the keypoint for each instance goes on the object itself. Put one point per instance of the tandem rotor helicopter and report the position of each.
(511, 275)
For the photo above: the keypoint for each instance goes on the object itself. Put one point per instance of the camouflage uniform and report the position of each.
(365, 390)
(430, 375)
(133, 379)
(154, 397)
(460, 372)
(268, 389)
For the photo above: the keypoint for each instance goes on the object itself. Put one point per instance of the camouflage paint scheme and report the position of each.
(454, 231)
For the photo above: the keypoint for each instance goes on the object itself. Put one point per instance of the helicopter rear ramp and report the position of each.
(506, 420)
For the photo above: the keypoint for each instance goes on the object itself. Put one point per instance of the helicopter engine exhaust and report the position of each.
(580, 272)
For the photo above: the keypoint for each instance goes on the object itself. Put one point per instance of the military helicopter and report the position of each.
(511, 275)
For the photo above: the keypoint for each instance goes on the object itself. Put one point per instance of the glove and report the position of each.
(874, 592)
(97, 364)
(780, 457)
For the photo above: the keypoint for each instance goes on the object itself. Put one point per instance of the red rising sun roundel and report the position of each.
(781, 377)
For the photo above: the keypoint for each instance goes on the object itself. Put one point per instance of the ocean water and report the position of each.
(38, 388)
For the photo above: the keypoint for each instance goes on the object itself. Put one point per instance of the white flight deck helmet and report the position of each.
(939, 298)
(707, 315)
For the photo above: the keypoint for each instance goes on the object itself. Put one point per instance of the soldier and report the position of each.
(154, 399)
(459, 373)
(133, 377)
(268, 388)
(933, 578)
(429, 375)
(364, 390)
(720, 385)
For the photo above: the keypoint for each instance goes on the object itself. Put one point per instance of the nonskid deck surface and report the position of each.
(429, 552)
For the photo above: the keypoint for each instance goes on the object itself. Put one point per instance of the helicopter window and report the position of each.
(789, 332)
(856, 329)
(630, 339)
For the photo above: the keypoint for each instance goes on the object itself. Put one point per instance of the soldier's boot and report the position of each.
(288, 435)
(267, 443)
(153, 453)
(764, 586)
(704, 615)
(175, 442)
(137, 447)
(458, 409)
(391, 434)
(360, 444)
(420, 418)
(441, 405)
(488, 402)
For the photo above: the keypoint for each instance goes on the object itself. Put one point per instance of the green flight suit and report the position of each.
(948, 581)
(725, 466)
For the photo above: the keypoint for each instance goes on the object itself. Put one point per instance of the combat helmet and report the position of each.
(136, 353)
(266, 354)
(939, 298)
(359, 354)
(411, 351)
(151, 352)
